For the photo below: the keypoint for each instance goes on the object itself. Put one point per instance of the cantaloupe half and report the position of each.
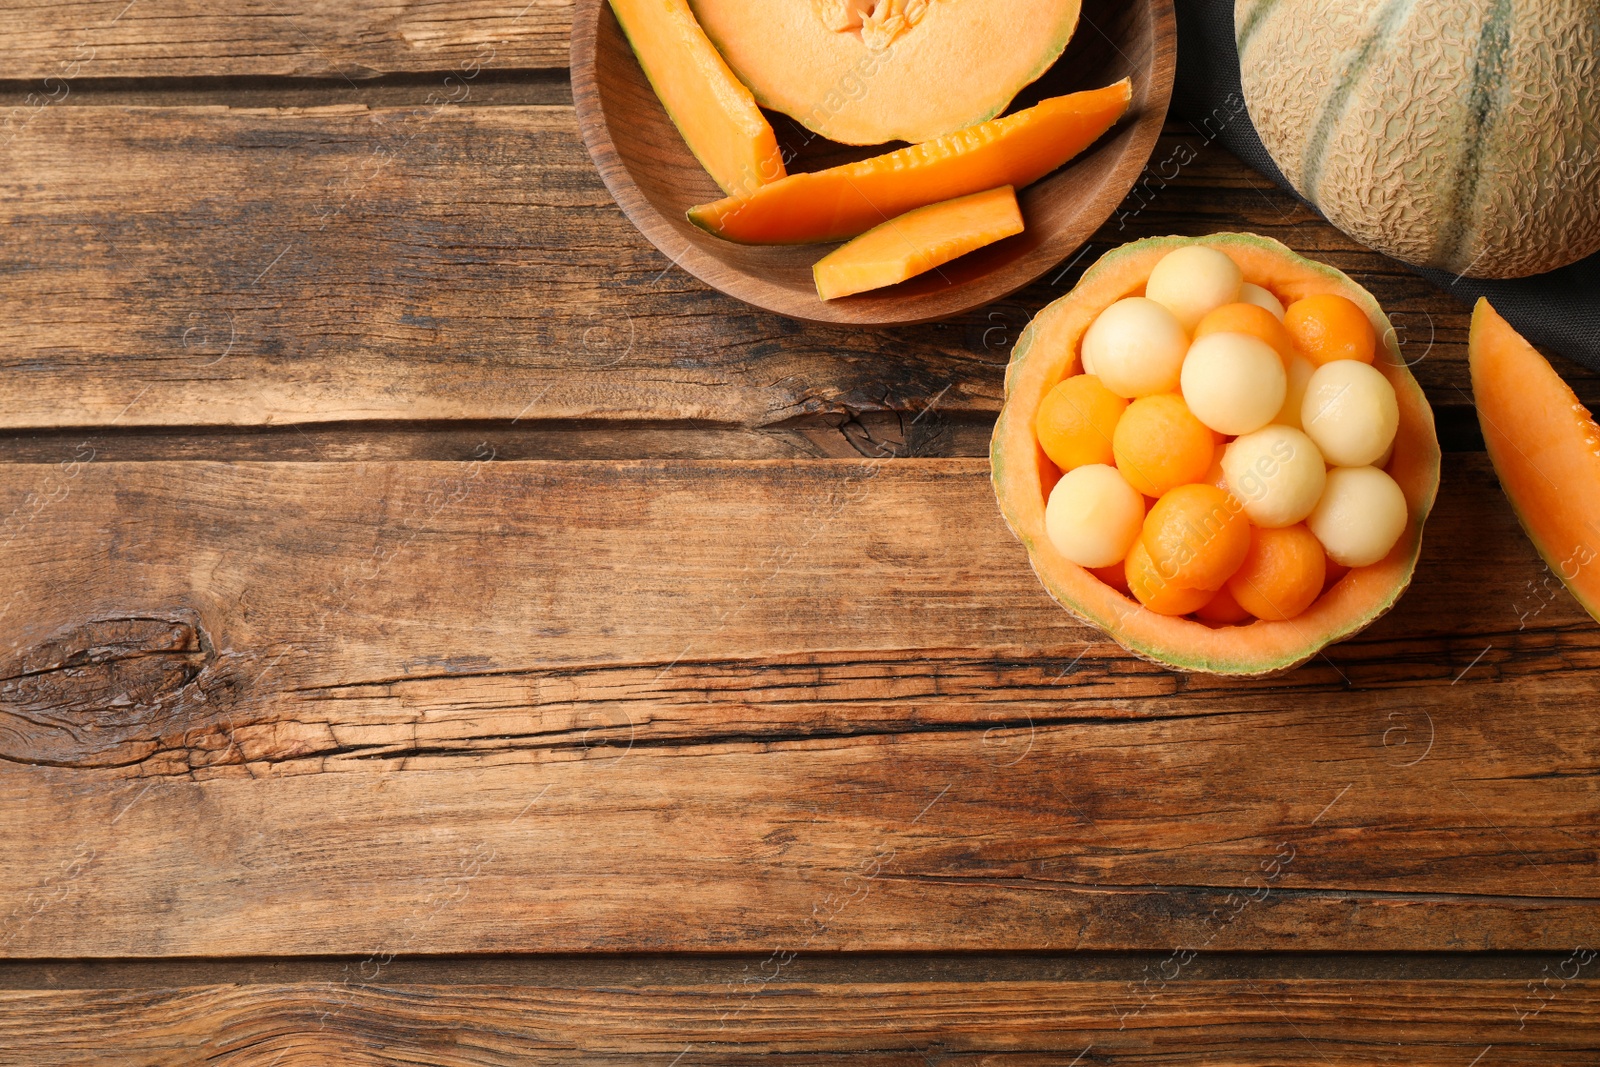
(870, 71)
(1545, 447)
(918, 241)
(1047, 352)
(716, 114)
(843, 201)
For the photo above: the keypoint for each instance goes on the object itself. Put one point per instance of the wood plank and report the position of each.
(192, 266)
(101, 39)
(576, 706)
(799, 1021)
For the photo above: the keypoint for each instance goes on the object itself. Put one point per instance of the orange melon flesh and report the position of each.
(841, 202)
(1048, 352)
(715, 113)
(1545, 447)
(861, 72)
(918, 241)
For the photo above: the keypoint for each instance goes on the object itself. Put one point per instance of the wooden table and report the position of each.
(438, 631)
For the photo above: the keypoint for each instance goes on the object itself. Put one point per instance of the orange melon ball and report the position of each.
(1160, 445)
(1281, 575)
(1197, 535)
(1049, 474)
(1251, 319)
(1215, 475)
(1076, 420)
(1327, 327)
(1154, 591)
(1222, 610)
(1116, 576)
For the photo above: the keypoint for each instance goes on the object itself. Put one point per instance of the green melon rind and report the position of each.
(1178, 658)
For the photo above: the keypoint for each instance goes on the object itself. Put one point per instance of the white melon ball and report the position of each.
(1094, 515)
(1361, 515)
(1234, 383)
(1298, 370)
(1350, 411)
(1251, 293)
(1193, 280)
(1136, 347)
(1277, 473)
(1085, 361)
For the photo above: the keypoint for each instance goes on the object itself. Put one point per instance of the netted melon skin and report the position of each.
(1462, 135)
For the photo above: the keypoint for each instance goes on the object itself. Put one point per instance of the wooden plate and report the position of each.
(655, 178)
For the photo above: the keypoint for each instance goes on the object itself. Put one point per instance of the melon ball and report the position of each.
(1136, 348)
(1214, 474)
(1094, 515)
(1234, 383)
(1160, 445)
(1248, 319)
(1350, 411)
(1251, 293)
(1157, 593)
(1193, 280)
(1196, 536)
(1076, 420)
(1361, 515)
(1326, 327)
(1277, 473)
(1282, 575)
(1298, 370)
(1222, 610)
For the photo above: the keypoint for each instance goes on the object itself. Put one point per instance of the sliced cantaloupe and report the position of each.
(1545, 447)
(870, 71)
(918, 241)
(841, 202)
(1048, 351)
(716, 114)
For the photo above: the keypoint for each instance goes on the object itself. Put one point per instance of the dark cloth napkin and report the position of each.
(1560, 310)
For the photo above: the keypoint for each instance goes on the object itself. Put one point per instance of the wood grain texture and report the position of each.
(656, 179)
(185, 38)
(192, 267)
(801, 1022)
(421, 707)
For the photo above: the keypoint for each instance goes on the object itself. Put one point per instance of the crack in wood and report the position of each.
(103, 692)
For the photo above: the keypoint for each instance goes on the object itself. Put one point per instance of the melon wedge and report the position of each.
(841, 202)
(870, 71)
(1022, 474)
(1545, 447)
(715, 113)
(918, 241)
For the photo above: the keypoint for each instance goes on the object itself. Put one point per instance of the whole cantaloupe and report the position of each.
(1457, 134)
